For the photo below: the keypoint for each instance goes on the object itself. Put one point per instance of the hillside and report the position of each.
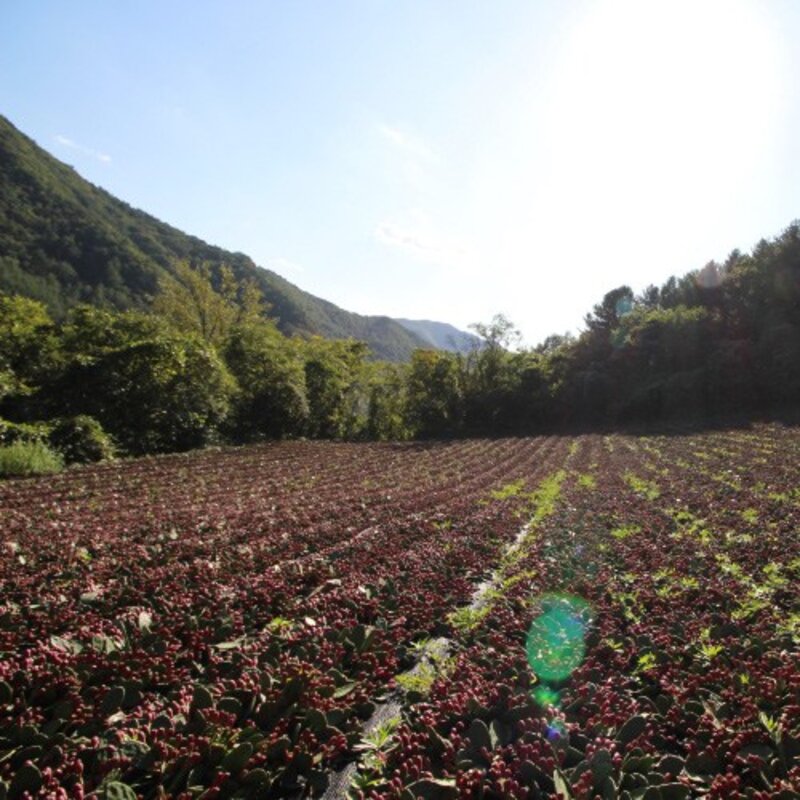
(441, 335)
(64, 241)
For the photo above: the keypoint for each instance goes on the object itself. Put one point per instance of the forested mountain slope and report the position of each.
(64, 241)
(441, 336)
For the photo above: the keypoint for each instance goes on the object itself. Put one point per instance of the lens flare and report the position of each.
(623, 306)
(555, 730)
(555, 644)
(545, 696)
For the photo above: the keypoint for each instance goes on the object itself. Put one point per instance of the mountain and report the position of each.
(65, 241)
(441, 336)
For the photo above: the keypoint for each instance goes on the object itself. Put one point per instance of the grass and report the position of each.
(28, 458)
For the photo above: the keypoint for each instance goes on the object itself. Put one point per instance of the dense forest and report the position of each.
(206, 364)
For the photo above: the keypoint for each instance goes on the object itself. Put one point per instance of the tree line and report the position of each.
(720, 341)
(208, 365)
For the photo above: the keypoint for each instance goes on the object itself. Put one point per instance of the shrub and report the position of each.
(81, 440)
(12, 432)
(28, 458)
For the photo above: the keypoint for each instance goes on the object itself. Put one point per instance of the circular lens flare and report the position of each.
(555, 643)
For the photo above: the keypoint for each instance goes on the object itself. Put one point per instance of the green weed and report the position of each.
(624, 531)
(509, 490)
(750, 515)
(467, 618)
(642, 487)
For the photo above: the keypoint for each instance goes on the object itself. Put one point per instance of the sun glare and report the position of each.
(658, 113)
(658, 127)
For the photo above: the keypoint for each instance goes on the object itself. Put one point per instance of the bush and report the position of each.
(28, 458)
(81, 440)
(13, 432)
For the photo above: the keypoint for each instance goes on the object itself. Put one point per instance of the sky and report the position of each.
(430, 159)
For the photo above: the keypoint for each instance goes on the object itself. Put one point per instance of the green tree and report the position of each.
(28, 353)
(269, 368)
(660, 368)
(553, 343)
(607, 314)
(336, 387)
(490, 377)
(387, 402)
(153, 389)
(89, 331)
(434, 394)
(487, 359)
(194, 302)
(27, 340)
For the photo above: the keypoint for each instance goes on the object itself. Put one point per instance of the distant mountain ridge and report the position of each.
(441, 335)
(65, 241)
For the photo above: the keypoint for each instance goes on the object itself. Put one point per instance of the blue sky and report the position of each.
(440, 160)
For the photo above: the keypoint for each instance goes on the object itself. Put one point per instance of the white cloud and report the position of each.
(65, 141)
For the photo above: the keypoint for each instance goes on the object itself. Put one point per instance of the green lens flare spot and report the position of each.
(555, 644)
(545, 696)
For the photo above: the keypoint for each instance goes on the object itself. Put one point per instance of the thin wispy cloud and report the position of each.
(418, 237)
(65, 141)
(284, 265)
(407, 142)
